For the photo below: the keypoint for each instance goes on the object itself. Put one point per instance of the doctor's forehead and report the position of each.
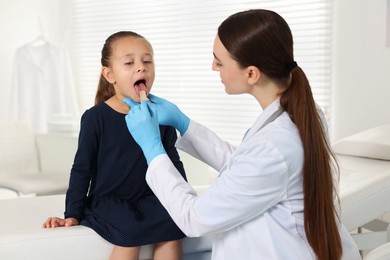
(219, 50)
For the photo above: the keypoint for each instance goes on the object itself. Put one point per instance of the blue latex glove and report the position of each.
(167, 113)
(143, 126)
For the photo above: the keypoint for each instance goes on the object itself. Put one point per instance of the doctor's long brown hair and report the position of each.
(263, 39)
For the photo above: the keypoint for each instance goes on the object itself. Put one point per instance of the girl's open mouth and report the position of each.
(140, 85)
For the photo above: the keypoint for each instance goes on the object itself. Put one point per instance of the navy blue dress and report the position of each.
(107, 188)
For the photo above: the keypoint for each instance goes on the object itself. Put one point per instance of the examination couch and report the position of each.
(21, 235)
(364, 160)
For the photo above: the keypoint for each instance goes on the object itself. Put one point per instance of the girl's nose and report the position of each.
(141, 67)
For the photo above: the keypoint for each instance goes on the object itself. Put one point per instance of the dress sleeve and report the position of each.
(84, 167)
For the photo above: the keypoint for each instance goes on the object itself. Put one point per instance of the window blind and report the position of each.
(182, 33)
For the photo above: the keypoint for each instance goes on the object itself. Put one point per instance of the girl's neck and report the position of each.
(116, 103)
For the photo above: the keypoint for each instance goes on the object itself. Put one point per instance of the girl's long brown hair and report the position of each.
(262, 38)
(105, 89)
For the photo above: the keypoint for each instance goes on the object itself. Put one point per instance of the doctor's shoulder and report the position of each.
(283, 135)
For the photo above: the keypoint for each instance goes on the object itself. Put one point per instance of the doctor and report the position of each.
(274, 196)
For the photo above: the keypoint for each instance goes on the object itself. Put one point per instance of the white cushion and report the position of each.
(372, 143)
(18, 153)
(56, 152)
(35, 183)
(380, 253)
(20, 168)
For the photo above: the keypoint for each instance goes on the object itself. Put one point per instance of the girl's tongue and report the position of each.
(140, 86)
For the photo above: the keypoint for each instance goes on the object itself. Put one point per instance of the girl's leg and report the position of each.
(128, 253)
(170, 250)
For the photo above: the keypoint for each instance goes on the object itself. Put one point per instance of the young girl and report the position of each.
(274, 195)
(107, 189)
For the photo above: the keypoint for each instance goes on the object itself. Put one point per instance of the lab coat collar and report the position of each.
(263, 117)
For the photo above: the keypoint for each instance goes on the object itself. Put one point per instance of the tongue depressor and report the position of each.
(142, 95)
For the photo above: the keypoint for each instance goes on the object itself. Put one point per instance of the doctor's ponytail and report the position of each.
(318, 184)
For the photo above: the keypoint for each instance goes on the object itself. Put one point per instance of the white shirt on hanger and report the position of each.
(42, 85)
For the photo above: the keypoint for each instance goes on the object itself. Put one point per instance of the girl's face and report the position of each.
(232, 76)
(132, 67)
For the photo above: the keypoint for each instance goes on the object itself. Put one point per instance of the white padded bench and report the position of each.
(21, 235)
(364, 160)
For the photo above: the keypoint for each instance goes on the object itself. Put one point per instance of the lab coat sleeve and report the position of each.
(205, 145)
(250, 184)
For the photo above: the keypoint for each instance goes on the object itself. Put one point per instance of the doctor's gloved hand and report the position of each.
(143, 125)
(131, 103)
(169, 114)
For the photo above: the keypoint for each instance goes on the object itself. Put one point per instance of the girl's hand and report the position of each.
(53, 222)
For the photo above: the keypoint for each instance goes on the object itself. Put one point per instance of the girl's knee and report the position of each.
(172, 243)
(168, 250)
(119, 252)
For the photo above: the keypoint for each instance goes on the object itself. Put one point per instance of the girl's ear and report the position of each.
(107, 74)
(253, 75)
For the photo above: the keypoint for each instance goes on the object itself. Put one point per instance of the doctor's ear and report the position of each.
(107, 74)
(253, 74)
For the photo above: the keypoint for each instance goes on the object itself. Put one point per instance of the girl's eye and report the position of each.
(129, 63)
(147, 61)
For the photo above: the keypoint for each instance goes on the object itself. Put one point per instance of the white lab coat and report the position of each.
(255, 207)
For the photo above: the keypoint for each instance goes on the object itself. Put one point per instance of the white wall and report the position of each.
(362, 67)
(362, 62)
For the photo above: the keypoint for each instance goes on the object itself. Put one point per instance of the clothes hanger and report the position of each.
(40, 40)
